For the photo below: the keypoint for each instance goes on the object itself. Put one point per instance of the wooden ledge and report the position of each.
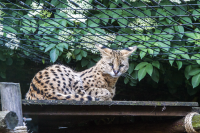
(106, 108)
(109, 103)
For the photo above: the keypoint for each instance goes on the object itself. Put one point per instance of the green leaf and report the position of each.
(141, 65)
(161, 44)
(9, 29)
(123, 22)
(131, 68)
(187, 70)
(83, 53)
(2, 57)
(155, 75)
(78, 57)
(141, 73)
(171, 56)
(84, 62)
(55, 2)
(9, 61)
(77, 51)
(194, 71)
(179, 64)
(135, 74)
(60, 48)
(192, 35)
(186, 20)
(126, 80)
(195, 80)
(161, 13)
(50, 46)
(180, 29)
(149, 69)
(143, 53)
(3, 75)
(156, 64)
(54, 54)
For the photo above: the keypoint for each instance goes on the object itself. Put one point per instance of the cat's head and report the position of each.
(114, 62)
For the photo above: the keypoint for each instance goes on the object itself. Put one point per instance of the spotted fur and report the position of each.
(59, 82)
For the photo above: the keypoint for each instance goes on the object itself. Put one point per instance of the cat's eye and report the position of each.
(110, 64)
(121, 65)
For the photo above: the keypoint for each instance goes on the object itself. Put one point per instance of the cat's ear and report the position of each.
(103, 50)
(128, 51)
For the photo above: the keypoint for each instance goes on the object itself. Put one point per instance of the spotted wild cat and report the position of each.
(59, 82)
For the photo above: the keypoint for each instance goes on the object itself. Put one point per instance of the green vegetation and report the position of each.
(48, 30)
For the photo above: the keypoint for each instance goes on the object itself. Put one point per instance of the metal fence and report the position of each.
(162, 29)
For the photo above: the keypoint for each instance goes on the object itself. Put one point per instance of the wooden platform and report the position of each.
(107, 108)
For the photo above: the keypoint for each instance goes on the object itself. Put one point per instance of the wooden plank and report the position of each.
(70, 110)
(11, 99)
(109, 103)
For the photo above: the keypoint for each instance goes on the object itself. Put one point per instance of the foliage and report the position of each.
(159, 46)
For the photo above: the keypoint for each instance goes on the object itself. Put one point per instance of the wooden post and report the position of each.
(8, 120)
(11, 99)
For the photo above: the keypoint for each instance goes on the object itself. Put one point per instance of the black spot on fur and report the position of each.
(42, 83)
(38, 91)
(91, 76)
(90, 92)
(53, 92)
(37, 80)
(55, 74)
(59, 95)
(61, 74)
(81, 99)
(47, 82)
(34, 88)
(58, 81)
(76, 96)
(51, 84)
(83, 74)
(54, 79)
(90, 70)
(58, 84)
(76, 87)
(75, 83)
(52, 87)
(96, 93)
(54, 98)
(45, 89)
(64, 83)
(57, 77)
(46, 73)
(59, 70)
(40, 77)
(57, 66)
(63, 78)
(48, 78)
(92, 85)
(70, 79)
(68, 97)
(89, 98)
(41, 92)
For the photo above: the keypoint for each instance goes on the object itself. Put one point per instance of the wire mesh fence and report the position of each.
(164, 30)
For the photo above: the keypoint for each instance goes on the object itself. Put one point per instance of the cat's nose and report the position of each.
(116, 72)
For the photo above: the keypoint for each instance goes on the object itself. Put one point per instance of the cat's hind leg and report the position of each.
(101, 93)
